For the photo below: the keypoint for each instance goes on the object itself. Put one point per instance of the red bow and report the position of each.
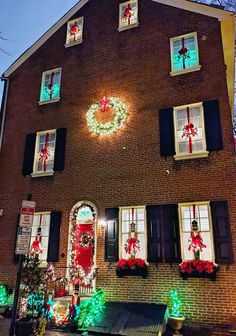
(74, 29)
(132, 244)
(44, 154)
(104, 102)
(196, 242)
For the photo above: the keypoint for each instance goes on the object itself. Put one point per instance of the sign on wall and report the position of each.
(23, 240)
(27, 214)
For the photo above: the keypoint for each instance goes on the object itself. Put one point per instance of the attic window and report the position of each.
(74, 34)
(184, 54)
(50, 86)
(128, 15)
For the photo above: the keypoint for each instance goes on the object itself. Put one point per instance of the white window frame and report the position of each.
(183, 71)
(54, 100)
(44, 213)
(71, 44)
(121, 28)
(35, 172)
(120, 227)
(199, 154)
(210, 227)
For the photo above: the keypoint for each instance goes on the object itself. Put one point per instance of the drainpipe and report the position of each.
(3, 107)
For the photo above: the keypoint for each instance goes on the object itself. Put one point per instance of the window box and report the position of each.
(131, 267)
(198, 269)
(184, 54)
(143, 272)
(128, 16)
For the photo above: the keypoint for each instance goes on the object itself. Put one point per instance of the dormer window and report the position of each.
(50, 86)
(74, 34)
(128, 16)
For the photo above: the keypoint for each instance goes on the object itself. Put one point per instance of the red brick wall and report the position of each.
(133, 65)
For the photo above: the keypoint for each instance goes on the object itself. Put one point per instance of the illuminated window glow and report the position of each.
(140, 228)
(128, 15)
(203, 218)
(44, 152)
(74, 32)
(50, 87)
(184, 53)
(42, 220)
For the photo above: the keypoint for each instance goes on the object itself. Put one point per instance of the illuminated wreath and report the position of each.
(109, 127)
(86, 240)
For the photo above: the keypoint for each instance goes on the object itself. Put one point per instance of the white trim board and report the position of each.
(182, 4)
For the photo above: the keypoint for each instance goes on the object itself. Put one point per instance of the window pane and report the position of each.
(74, 31)
(42, 221)
(45, 152)
(202, 217)
(185, 53)
(128, 14)
(51, 86)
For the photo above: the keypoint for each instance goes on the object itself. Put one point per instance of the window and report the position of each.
(200, 214)
(44, 153)
(189, 132)
(184, 54)
(137, 216)
(40, 235)
(74, 32)
(50, 86)
(128, 17)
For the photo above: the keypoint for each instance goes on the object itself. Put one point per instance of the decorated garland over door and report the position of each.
(105, 128)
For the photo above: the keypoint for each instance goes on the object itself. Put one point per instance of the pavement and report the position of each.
(5, 324)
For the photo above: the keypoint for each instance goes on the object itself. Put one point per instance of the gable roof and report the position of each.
(182, 4)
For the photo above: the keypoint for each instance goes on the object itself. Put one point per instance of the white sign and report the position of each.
(27, 214)
(23, 240)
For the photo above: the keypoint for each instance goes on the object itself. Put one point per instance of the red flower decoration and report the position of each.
(131, 263)
(197, 265)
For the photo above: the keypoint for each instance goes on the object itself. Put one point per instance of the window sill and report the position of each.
(134, 25)
(50, 101)
(185, 156)
(181, 72)
(200, 275)
(67, 45)
(42, 174)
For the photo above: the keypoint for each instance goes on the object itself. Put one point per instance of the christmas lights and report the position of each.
(109, 127)
(175, 304)
(3, 295)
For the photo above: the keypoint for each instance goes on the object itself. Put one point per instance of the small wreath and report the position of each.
(86, 240)
(109, 127)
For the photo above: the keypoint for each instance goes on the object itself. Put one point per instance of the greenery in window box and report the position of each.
(132, 267)
(198, 269)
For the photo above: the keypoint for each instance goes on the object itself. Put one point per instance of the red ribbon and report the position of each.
(189, 131)
(44, 154)
(104, 102)
(50, 85)
(132, 244)
(74, 29)
(127, 13)
(194, 211)
(183, 52)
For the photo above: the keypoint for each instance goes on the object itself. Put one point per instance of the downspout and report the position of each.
(3, 107)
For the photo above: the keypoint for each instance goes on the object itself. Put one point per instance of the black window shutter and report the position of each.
(170, 220)
(54, 236)
(154, 233)
(59, 160)
(16, 256)
(111, 235)
(222, 233)
(29, 154)
(213, 125)
(167, 140)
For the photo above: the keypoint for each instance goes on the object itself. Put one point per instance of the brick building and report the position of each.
(122, 111)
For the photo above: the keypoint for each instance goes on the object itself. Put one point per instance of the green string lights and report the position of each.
(3, 295)
(92, 310)
(175, 304)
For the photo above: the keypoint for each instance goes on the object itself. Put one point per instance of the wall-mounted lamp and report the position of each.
(1, 212)
(102, 223)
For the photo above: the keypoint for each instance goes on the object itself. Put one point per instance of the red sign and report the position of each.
(27, 214)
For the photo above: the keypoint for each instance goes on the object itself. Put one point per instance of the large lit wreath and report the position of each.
(86, 240)
(109, 127)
